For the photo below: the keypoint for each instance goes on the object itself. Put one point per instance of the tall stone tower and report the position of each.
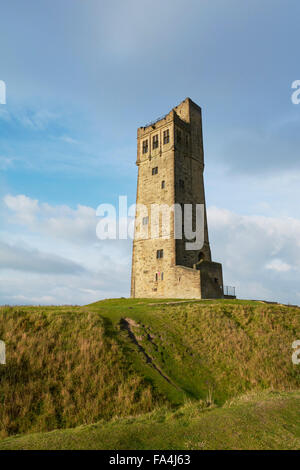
(170, 171)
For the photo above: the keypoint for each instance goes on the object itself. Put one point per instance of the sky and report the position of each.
(82, 75)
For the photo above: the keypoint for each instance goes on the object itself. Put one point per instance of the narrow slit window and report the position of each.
(145, 146)
(163, 184)
(166, 136)
(155, 170)
(155, 141)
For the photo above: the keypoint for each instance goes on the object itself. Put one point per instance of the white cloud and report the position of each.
(18, 288)
(74, 225)
(54, 257)
(22, 258)
(23, 207)
(278, 265)
(260, 255)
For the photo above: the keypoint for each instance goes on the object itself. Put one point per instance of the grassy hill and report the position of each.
(255, 421)
(181, 361)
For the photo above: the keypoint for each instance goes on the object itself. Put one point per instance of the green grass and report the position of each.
(220, 347)
(72, 366)
(64, 369)
(256, 421)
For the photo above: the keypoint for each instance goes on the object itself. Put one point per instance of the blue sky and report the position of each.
(81, 76)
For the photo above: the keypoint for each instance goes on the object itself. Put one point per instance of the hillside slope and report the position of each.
(207, 349)
(255, 421)
(65, 368)
(69, 366)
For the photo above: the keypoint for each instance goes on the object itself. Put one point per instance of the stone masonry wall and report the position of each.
(178, 178)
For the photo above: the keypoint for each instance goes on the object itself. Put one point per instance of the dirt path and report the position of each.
(127, 324)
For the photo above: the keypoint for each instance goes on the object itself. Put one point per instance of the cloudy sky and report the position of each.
(81, 76)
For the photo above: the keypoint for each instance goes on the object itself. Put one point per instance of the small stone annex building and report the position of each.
(170, 170)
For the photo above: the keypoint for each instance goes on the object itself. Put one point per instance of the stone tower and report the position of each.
(170, 171)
